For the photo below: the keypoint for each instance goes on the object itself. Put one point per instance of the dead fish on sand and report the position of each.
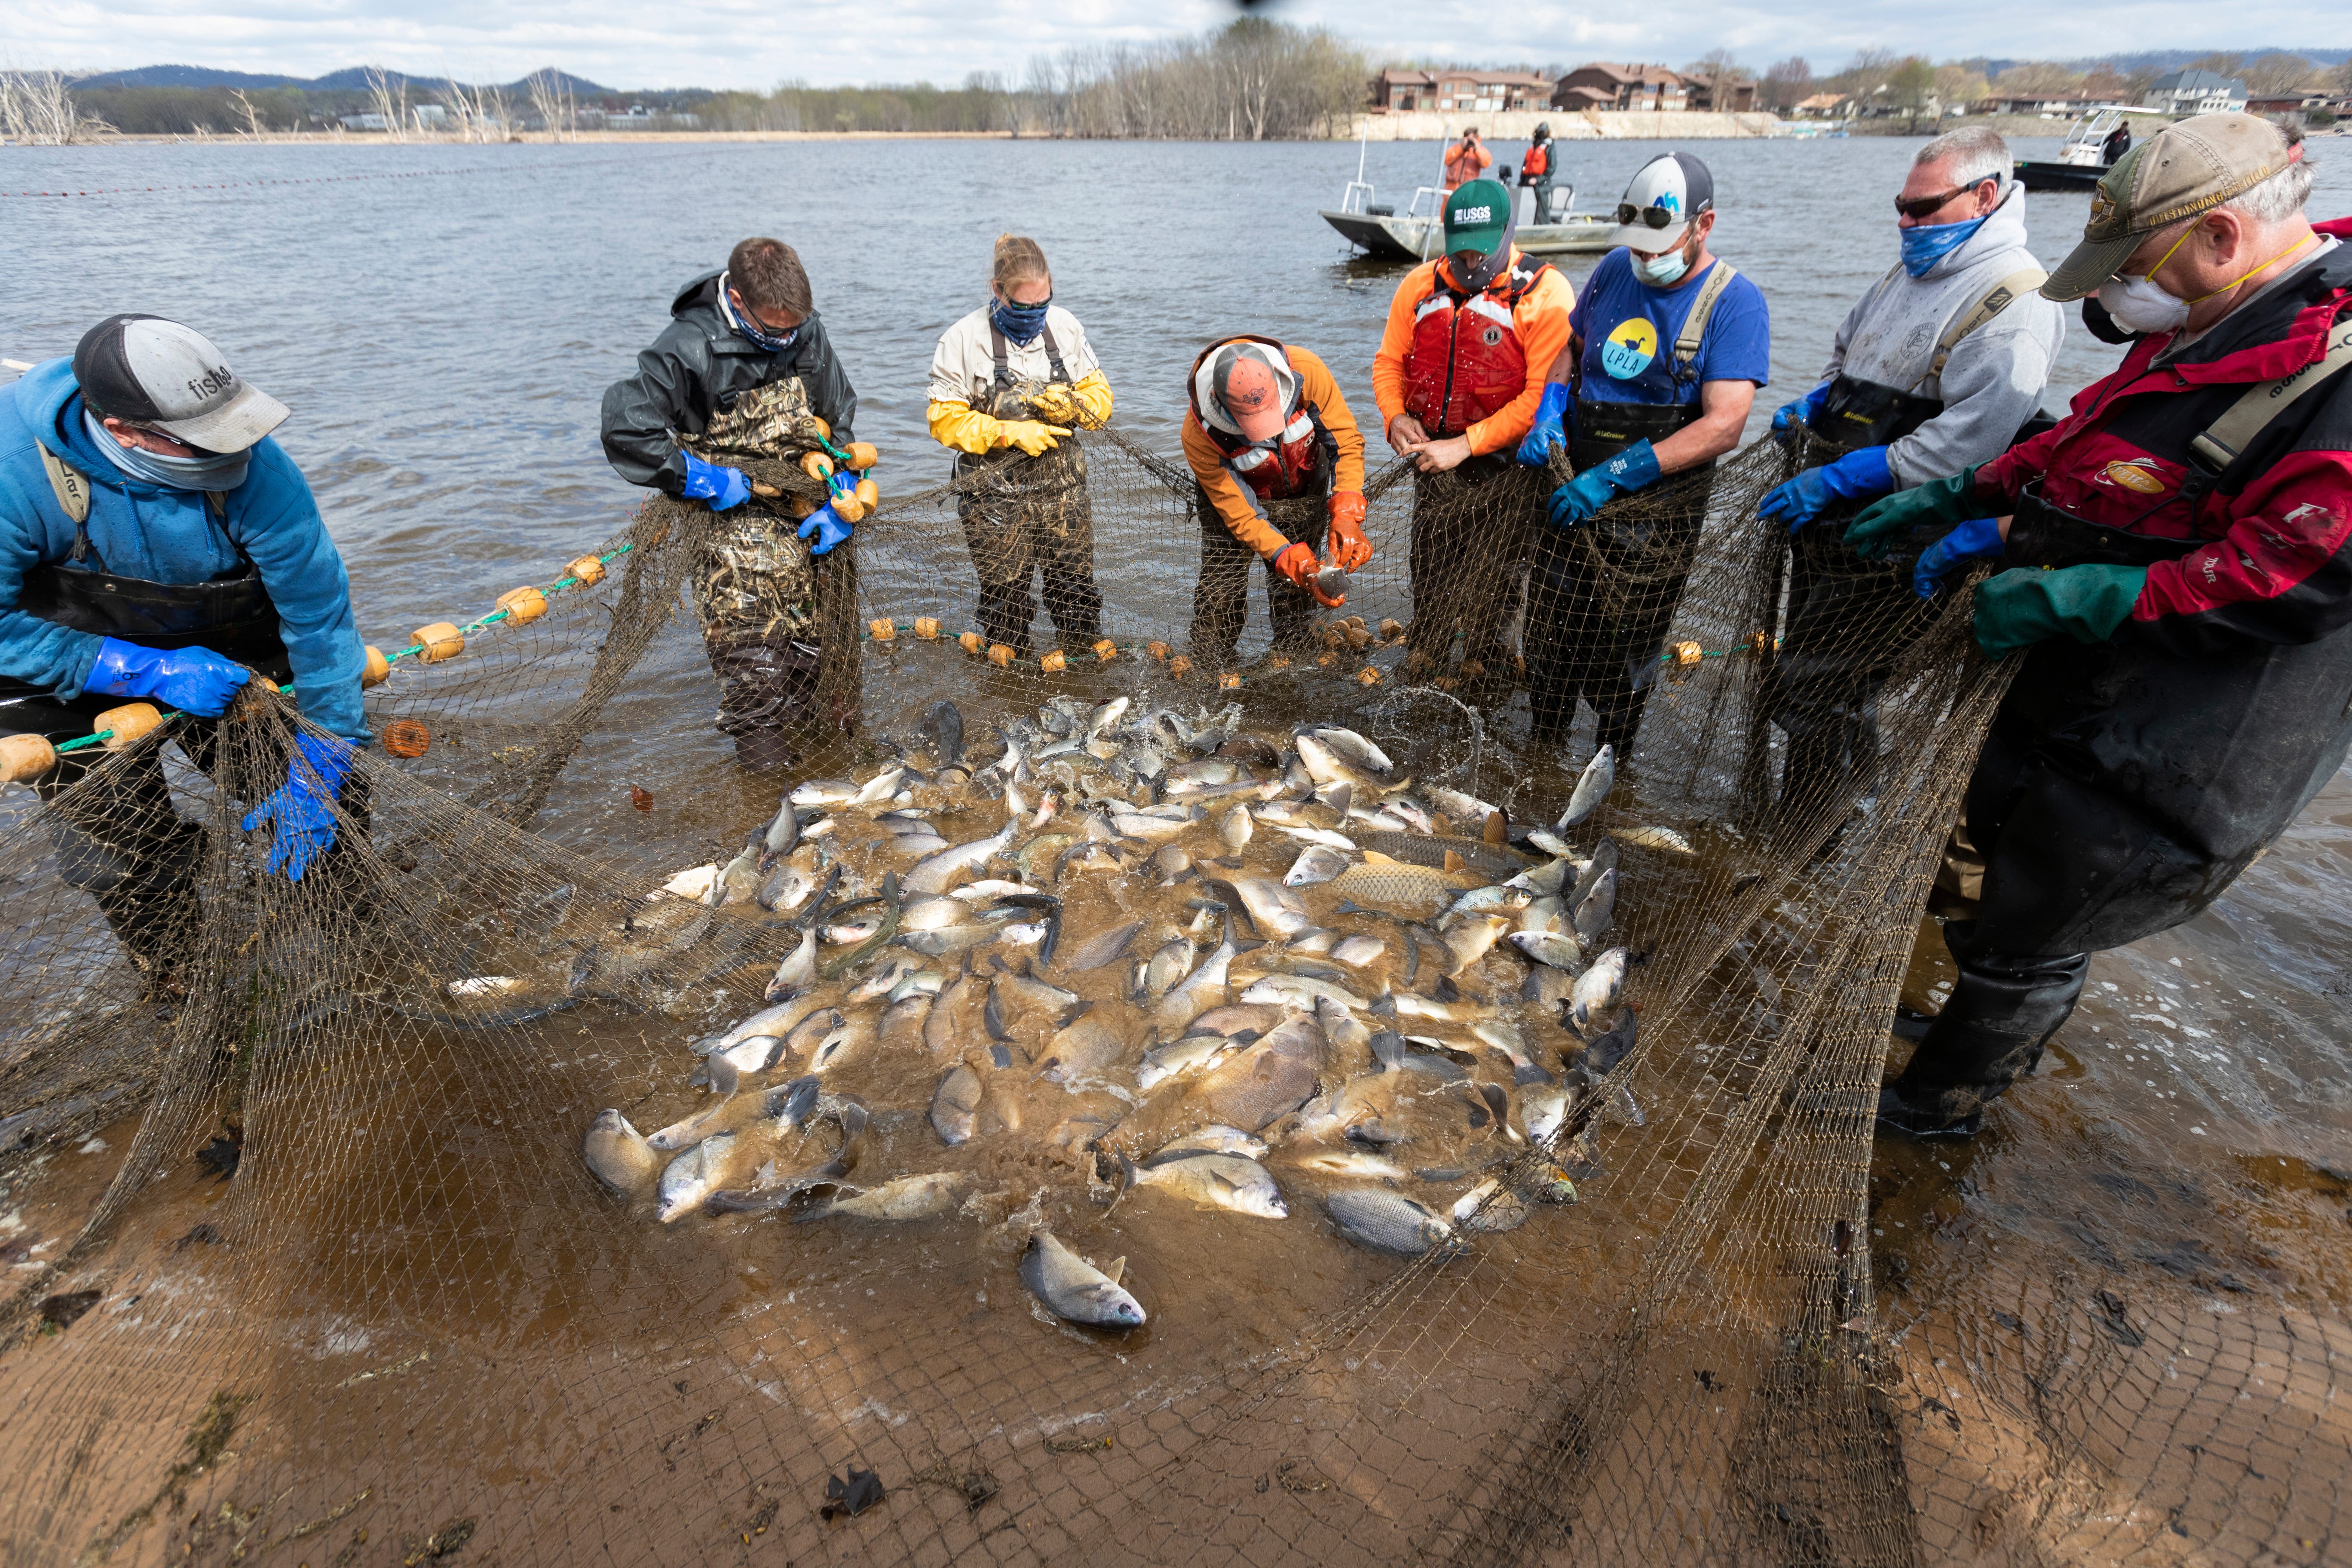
(1069, 1287)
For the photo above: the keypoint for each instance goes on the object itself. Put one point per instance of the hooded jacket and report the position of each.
(1237, 505)
(167, 535)
(696, 368)
(1992, 383)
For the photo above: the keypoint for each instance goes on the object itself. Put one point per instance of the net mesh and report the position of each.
(343, 1287)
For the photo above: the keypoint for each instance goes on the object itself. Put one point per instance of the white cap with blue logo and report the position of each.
(1665, 193)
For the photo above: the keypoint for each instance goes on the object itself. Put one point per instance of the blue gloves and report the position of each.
(1597, 485)
(302, 812)
(1550, 428)
(193, 680)
(1789, 416)
(1853, 477)
(721, 487)
(828, 527)
(1977, 539)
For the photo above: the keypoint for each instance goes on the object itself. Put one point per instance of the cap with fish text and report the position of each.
(144, 369)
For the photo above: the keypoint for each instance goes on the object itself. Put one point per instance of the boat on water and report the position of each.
(1419, 232)
(2082, 160)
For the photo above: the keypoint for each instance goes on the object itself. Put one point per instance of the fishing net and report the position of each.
(308, 1265)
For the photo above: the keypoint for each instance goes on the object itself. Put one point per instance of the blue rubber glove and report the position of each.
(1852, 478)
(1789, 416)
(841, 483)
(1976, 540)
(721, 487)
(1550, 428)
(1597, 485)
(828, 527)
(193, 680)
(301, 814)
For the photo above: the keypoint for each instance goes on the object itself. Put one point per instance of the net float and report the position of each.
(1277, 661)
(1759, 643)
(588, 570)
(1445, 683)
(378, 668)
(128, 724)
(23, 758)
(525, 603)
(999, 655)
(406, 737)
(1156, 649)
(1472, 668)
(816, 466)
(869, 494)
(970, 642)
(1358, 638)
(1053, 663)
(440, 640)
(848, 508)
(883, 630)
(1687, 654)
(1367, 675)
(864, 454)
(1392, 629)
(927, 627)
(1327, 660)
(1106, 650)
(1180, 666)
(1229, 682)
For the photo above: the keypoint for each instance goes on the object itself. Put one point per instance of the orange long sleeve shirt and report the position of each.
(1542, 319)
(1236, 503)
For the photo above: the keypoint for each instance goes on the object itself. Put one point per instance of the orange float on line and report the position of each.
(524, 604)
(970, 642)
(1053, 663)
(440, 640)
(378, 668)
(588, 568)
(23, 758)
(927, 627)
(1000, 655)
(884, 630)
(130, 722)
(406, 737)
(1106, 650)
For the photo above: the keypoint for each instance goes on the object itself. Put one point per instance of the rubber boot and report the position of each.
(2001, 1014)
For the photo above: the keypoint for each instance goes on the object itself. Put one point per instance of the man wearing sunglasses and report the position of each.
(2176, 562)
(741, 367)
(1935, 369)
(1669, 348)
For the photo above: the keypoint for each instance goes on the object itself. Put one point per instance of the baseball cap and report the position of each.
(2184, 171)
(1477, 216)
(148, 371)
(1665, 193)
(1246, 385)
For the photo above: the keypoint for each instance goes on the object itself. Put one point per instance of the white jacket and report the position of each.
(963, 367)
(1994, 379)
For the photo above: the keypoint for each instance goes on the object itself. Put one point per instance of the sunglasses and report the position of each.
(1649, 217)
(1919, 209)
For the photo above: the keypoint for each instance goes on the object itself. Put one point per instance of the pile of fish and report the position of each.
(1190, 961)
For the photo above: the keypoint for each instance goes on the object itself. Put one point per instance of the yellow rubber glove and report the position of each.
(1092, 395)
(1055, 403)
(1031, 436)
(957, 426)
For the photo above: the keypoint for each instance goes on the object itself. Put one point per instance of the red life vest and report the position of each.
(1538, 163)
(1282, 468)
(1465, 363)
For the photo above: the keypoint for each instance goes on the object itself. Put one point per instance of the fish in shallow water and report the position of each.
(1593, 787)
(1190, 1054)
(1232, 1181)
(955, 1105)
(1663, 838)
(1275, 909)
(1233, 829)
(1598, 988)
(934, 873)
(1557, 950)
(1200, 989)
(1599, 909)
(1352, 1165)
(1081, 1050)
(903, 1198)
(1212, 1140)
(618, 1154)
(1316, 863)
(942, 727)
(1069, 1287)
(1106, 947)
(686, 1180)
(1490, 1208)
(797, 973)
(1386, 1222)
(724, 1080)
(1164, 968)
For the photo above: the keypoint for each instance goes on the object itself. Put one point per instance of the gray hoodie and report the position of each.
(1993, 381)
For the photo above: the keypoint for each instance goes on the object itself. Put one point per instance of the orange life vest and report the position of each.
(1292, 463)
(1538, 163)
(1465, 363)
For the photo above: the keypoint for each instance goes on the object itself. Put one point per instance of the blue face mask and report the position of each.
(205, 472)
(1923, 244)
(1020, 324)
(748, 328)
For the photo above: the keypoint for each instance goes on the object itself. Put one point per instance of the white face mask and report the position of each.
(1666, 266)
(2141, 305)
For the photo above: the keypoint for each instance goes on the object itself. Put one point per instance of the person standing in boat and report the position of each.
(1466, 160)
(1010, 383)
(2118, 142)
(1536, 172)
(157, 543)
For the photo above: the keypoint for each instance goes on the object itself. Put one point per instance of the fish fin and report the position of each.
(1117, 1271)
(1497, 832)
(1454, 861)
(724, 1077)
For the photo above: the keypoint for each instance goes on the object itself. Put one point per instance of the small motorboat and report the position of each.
(2081, 161)
(1419, 232)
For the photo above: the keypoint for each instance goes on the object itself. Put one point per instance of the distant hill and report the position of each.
(353, 78)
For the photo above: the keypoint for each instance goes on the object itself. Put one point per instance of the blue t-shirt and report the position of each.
(1629, 328)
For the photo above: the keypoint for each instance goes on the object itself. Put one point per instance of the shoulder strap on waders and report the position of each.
(2224, 441)
(72, 491)
(2005, 293)
(1686, 342)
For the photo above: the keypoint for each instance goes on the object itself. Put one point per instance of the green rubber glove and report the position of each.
(2024, 605)
(1946, 503)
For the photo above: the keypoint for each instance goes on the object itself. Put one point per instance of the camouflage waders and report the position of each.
(1221, 599)
(1022, 515)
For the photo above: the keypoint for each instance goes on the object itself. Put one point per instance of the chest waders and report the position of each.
(779, 625)
(1604, 595)
(1024, 515)
(1848, 618)
(2123, 785)
(127, 845)
(1220, 598)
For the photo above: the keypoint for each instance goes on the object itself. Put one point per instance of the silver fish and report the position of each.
(920, 983)
(1490, 1208)
(947, 1020)
(1471, 940)
(1546, 881)
(1354, 749)
(823, 792)
(885, 979)
(1107, 715)
(1301, 991)
(1194, 776)
(844, 1040)
(686, 1180)
(1314, 940)
(1598, 988)
(1353, 1164)
(1274, 907)
(902, 1023)
(618, 1154)
(783, 835)
(757, 1054)
(1557, 949)
(1172, 862)
(1359, 951)
(932, 911)
(739, 880)
(1321, 836)
(1468, 813)
(1210, 1140)
(1600, 776)
(1505, 1038)
(1071, 1288)
(686, 1134)
(1150, 829)
(1166, 967)
(950, 938)
(1252, 1020)
(918, 844)
(1213, 1181)
(798, 971)
(1234, 828)
(1082, 1050)
(1490, 900)
(1190, 1054)
(775, 1021)
(881, 786)
(1200, 989)
(1387, 1221)
(1588, 873)
(955, 1106)
(1544, 915)
(850, 932)
(934, 872)
(1107, 947)
(903, 1198)
(1664, 839)
(1550, 843)
(1598, 907)
(1315, 863)
(1325, 766)
(989, 890)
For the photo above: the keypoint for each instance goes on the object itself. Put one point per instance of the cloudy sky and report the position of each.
(756, 43)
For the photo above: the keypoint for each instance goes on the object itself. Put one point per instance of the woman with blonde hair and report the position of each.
(1009, 384)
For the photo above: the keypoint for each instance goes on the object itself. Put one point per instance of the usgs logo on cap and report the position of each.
(1474, 215)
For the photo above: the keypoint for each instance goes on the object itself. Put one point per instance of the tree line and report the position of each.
(1911, 82)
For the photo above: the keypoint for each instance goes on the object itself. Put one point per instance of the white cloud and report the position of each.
(755, 44)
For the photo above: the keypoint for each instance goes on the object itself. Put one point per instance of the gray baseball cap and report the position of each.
(2184, 171)
(147, 371)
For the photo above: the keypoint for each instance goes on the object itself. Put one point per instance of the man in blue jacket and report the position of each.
(155, 543)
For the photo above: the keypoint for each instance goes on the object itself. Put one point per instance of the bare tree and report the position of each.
(38, 106)
(391, 101)
(551, 97)
(253, 126)
(1786, 83)
(2277, 74)
(2222, 63)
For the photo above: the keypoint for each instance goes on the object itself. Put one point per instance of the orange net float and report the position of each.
(1053, 663)
(1105, 652)
(130, 723)
(588, 570)
(406, 737)
(972, 642)
(23, 758)
(378, 670)
(883, 630)
(525, 603)
(438, 641)
(927, 627)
